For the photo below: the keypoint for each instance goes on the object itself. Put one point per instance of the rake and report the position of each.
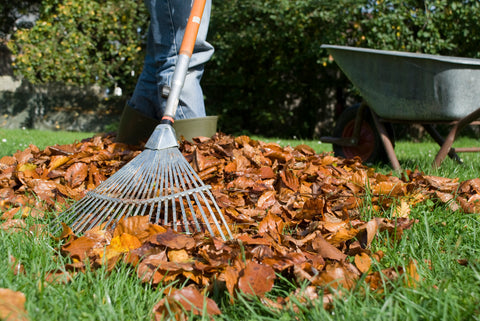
(159, 182)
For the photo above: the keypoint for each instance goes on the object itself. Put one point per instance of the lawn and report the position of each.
(444, 244)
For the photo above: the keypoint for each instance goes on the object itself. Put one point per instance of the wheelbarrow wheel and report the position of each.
(369, 148)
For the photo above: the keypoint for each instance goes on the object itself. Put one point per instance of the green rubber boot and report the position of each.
(135, 127)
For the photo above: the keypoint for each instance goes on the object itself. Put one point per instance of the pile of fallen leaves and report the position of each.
(295, 213)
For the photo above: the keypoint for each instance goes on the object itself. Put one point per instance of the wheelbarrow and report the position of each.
(402, 87)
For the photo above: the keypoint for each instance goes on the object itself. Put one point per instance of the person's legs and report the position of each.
(167, 25)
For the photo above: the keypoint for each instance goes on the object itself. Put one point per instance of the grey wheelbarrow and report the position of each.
(402, 87)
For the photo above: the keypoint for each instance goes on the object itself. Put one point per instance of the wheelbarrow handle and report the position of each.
(183, 60)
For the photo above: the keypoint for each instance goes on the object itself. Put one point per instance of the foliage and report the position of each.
(83, 42)
(432, 26)
(268, 74)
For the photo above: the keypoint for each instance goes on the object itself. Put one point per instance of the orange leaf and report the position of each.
(412, 274)
(131, 225)
(173, 240)
(57, 161)
(80, 248)
(231, 279)
(389, 188)
(271, 224)
(178, 256)
(327, 250)
(363, 262)
(257, 279)
(188, 299)
(12, 305)
(122, 244)
(76, 174)
(267, 200)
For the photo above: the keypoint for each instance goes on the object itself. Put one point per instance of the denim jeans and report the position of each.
(168, 19)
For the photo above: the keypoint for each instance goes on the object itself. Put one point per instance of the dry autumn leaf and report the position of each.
(256, 279)
(293, 212)
(179, 302)
(363, 262)
(12, 305)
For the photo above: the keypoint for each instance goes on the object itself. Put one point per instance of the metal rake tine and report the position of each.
(121, 177)
(161, 187)
(194, 195)
(154, 191)
(222, 217)
(81, 225)
(165, 188)
(137, 179)
(192, 175)
(187, 169)
(147, 187)
(85, 205)
(189, 202)
(181, 186)
(172, 187)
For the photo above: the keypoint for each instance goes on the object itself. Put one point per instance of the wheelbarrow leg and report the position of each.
(440, 141)
(452, 135)
(387, 143)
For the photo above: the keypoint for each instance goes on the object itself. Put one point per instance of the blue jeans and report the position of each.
(168, 19)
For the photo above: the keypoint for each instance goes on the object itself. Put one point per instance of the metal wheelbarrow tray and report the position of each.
(411, 88)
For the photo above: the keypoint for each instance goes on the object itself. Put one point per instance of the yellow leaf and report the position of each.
(412, 274)
(402, 209)
(122, 244)
(178, 256)
(26, 167)
(57, 161)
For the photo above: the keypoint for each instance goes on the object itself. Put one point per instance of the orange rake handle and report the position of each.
(191, 31)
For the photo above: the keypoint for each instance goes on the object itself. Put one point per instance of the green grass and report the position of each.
(447, 290)
(12, 140)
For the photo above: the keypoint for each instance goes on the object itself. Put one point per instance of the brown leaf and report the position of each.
(367, 232)
(231, 278)
(327, 250)
(16, 266)
(24, 156)
(336, 275)
(363, 262)
(12, 305)
(271, 224)
(267, 200)
(389, 188)
(76, 174)
(443, 184)
(256, 279)
(188, 299)
(290, 180)
(59, 277)
(80, 248)
(173, 240)
(13, 225)
(7, 161)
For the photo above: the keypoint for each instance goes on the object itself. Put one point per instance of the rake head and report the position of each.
(160, 183)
